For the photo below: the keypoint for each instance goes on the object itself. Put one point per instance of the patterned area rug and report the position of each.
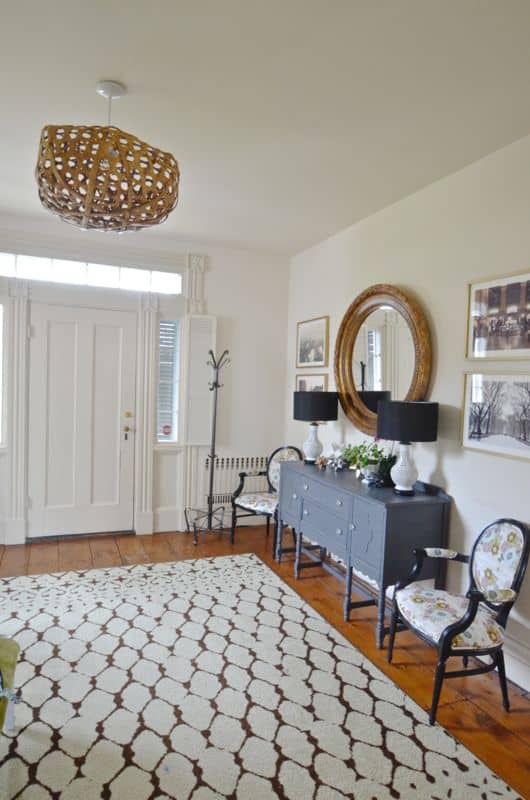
(208, 679)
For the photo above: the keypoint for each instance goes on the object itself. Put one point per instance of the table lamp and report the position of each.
(406, 422)
(314, 407)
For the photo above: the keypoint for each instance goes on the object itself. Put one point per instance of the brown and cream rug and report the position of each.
(208, 679)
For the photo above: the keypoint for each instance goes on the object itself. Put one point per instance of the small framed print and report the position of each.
(312, 342)
(312, 383)
(497, 414)
(499, 318)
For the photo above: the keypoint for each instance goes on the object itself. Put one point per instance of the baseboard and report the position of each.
(169, 518)
(14, 531)
(517, 654)
(144, 523)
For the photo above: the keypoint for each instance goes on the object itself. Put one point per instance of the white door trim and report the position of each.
(17, 412)
(146, 408)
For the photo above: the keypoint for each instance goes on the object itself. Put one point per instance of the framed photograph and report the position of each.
(497, 414)
(312, 342)
(312, 383)
(499, 318)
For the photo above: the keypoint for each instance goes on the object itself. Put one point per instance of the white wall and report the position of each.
(246, 291)
(473, 224)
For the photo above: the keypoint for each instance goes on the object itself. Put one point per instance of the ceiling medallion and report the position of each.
(101, 178)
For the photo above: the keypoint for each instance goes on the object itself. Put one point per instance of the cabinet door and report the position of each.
(368, 537)
(290, 498)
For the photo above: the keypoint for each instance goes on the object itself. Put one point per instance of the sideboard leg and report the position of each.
(278, 540)
(380, 630)
(347, 593)
(298, 554)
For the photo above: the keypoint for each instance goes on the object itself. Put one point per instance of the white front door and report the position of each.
(82, 391)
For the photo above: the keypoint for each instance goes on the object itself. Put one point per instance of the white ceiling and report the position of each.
(290, 119)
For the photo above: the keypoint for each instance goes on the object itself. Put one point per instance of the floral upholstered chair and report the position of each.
(472, 624)
(9, 651)
(263, 503)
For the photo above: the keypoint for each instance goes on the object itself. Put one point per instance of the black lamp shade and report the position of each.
(406, 421)
(315, 406)
(371, 399)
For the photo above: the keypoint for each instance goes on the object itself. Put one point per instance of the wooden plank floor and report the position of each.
(470, 708)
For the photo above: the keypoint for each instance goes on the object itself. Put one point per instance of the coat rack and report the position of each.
(212, 518)
(217, 365)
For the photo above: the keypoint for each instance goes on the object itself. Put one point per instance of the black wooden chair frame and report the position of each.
(475, 597)
(271, 490)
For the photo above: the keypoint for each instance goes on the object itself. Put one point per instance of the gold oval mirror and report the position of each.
(383, 351)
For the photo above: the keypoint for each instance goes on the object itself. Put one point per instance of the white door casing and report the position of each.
(81, 386)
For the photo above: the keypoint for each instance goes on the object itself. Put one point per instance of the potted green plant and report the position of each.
(364, 458)
(385, 465)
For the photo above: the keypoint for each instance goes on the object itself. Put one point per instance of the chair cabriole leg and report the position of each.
(438, 680)
(499, 659)
(233, 528)
(392, 633)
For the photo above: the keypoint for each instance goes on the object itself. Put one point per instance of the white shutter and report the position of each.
(168, 380)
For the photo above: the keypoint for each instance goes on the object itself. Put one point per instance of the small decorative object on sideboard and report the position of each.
(314, 407)
(321, 462)
(406, 422)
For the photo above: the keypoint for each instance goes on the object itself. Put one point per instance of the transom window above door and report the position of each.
(82, 273)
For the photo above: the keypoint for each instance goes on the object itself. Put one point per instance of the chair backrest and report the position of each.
(286, 453)
(500, 555)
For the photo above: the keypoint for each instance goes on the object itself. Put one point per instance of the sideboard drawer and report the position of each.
(329, 530)
(335, 500)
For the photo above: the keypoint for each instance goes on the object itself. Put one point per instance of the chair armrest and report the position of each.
(421, 553)
(441, 552)
(251, 473)
(495, 596)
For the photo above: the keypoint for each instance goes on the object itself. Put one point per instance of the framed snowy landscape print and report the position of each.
(497, 414)
(312, 342)
(499, 318)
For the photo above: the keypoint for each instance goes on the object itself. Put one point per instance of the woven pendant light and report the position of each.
(99, 177)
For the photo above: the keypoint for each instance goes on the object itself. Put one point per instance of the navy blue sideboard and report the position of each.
(370, 529)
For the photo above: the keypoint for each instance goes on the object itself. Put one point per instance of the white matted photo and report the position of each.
(497, 414)
(312, 383)
(312, 342)
(499, 318)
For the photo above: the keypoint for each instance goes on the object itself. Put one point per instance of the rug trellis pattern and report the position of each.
(208, 679)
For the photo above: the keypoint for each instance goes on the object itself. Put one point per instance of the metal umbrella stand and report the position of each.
(210, 519)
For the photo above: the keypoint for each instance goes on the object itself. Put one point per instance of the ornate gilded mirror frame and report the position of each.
(371, 300)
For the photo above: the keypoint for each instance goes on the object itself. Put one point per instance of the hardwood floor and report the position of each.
(470, 708)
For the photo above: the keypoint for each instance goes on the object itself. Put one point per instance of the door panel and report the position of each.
(82, 381)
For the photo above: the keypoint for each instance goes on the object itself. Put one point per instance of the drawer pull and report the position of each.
(339, 531)
(353, 526)
(306, 486)
(295, 496)
(306, 512)
(338, 502)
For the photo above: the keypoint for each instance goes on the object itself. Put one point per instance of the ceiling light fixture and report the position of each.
(101, 178)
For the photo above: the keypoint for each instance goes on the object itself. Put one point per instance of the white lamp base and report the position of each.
(312, 446)
(404, 473)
